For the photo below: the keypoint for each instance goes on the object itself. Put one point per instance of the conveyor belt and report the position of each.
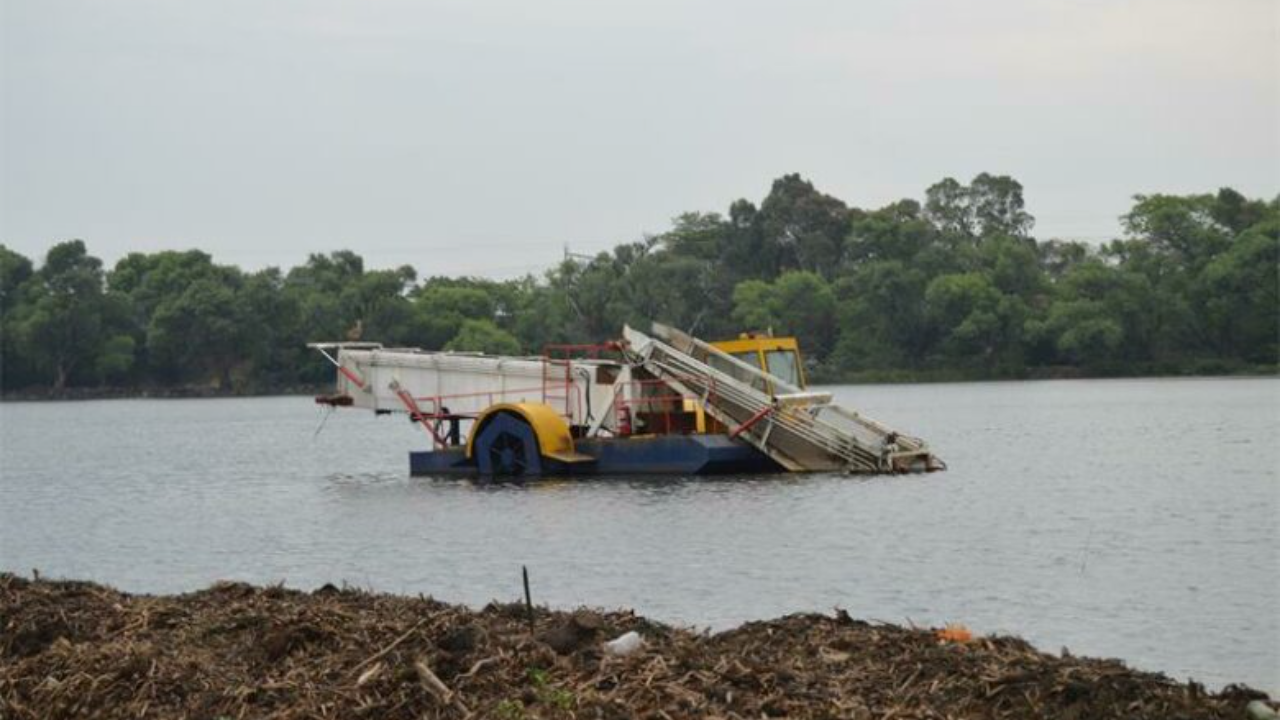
(802, 431)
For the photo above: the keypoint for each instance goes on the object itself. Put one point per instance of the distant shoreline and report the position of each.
(871, 377)
(896, 377)
(158, 393)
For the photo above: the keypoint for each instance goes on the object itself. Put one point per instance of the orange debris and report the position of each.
(954, 632)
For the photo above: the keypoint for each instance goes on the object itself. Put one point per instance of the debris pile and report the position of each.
(76, 650)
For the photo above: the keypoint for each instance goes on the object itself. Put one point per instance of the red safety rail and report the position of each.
(345, 371)
(557, 388)
(760, 415)
(625, 408)
(420, 417)
(352, 376)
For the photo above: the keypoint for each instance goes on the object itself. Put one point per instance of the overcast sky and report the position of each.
(471, 137)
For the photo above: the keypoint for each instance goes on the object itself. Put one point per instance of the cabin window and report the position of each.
(751, 358)
(783, 364)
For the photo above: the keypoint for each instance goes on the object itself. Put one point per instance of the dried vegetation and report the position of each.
(79, 650)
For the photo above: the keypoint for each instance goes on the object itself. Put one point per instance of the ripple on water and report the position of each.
(1120, 519)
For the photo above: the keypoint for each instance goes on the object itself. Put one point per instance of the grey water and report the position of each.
(1129, 519)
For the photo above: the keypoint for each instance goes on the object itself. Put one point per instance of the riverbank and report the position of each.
(898, 376)
(75, 649)
(817, 377)
(159, 392)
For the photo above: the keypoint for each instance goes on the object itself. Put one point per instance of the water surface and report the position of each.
(1131, 519)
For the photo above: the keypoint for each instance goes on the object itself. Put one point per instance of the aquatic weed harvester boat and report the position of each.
(662, 404)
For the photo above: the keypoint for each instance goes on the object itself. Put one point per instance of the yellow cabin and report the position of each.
(778, 356)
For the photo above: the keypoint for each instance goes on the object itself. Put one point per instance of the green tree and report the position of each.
(801, 228)
(1241, 298)
(947, 206)
(316, 287)
(377, 306)
(989, 205)
(882, 317)
(116, 358)
(483, 336)
(1237, 213)
(1182, 226)
(202, 333)
(1086, 335)
(541, 314)
(679, 290)
(973, 318)
(1057, 257)
(997, 207)
(953, 282)
(443, 307)
(742, 253)
(149, 279)
(697, 235)
(898, 232)
(68, 316)
(1101, 317)
(15, 270)
(273, 318)
(799, 303)
(1013, 265)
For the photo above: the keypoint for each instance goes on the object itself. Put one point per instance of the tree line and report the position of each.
(954, 286)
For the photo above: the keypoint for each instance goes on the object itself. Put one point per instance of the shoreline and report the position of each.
(1038, 374)
(233, 649)
(157, 393)
(869, 378)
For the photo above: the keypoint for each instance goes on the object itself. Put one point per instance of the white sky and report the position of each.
(472, 137)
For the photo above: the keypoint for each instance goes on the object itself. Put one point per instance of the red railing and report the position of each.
(562, 356)
(421, 418)
(627, 405)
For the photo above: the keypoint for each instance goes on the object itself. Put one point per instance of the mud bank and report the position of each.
(80, 650)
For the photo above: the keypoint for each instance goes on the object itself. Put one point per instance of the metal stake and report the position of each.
(528, 600)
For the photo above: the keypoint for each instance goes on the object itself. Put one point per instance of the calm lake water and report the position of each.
(1131, 519)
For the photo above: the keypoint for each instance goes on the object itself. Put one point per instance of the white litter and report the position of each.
(1259, 710)
(624, 644)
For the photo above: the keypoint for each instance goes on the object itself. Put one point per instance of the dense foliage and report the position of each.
(955, 286)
